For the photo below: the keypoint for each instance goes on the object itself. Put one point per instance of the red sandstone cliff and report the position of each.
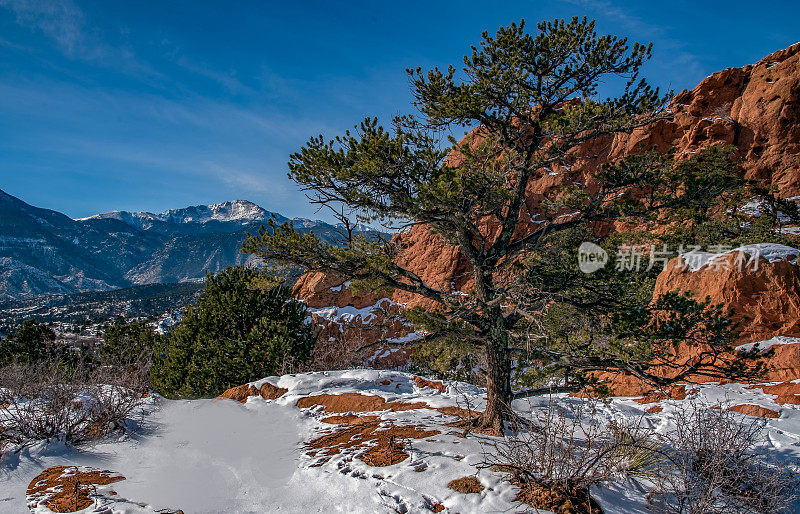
(764, 299)
(756, 108)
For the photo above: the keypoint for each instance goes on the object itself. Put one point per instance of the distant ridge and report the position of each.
(46, 252)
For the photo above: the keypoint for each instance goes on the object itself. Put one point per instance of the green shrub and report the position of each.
(235, 334)
(31, 343)
(127, 342)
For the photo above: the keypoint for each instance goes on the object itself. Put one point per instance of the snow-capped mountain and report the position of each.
(45, 252)
(239, 211)
(230, 215)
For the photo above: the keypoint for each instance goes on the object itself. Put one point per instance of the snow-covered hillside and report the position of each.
(304, 451)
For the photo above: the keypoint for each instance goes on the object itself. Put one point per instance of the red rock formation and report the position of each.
(784, 364)
(243, 392)
(766, 301)
(422, 251)
(755, 410)
(677, 392)
(239, 393)
(67, 488)
(756, 108)
(321, 290)
(271, 392)
(786, 392)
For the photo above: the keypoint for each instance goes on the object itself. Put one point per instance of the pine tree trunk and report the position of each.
(498, 387)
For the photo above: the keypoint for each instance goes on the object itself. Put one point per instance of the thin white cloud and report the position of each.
(60, 20)
(672, 52)
(612, 12)
(226, 80)
(66, 24)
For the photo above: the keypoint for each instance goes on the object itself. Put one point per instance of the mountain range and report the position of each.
(46, 252)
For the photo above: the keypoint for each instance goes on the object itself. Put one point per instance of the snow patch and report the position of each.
(763, 346)
(772, 252)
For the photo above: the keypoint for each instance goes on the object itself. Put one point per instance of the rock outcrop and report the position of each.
(755, 108)
(764, 296)
(243, 392)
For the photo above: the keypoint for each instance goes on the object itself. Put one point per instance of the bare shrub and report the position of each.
(716, 467)
(711, 463)
(47, 401)
(570, 447)
(40, 404)
(344, 350)
(110, 396)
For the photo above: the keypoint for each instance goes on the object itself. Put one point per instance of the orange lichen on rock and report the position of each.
(655, 409)
(383, 445)
(355, 402)
(466, 485)
(349, 419)
(344, 436)
(67, 488)
(382, 441)
(390, 448)
(787, 392)
(437, 507)
(755, 410)
(424, 382)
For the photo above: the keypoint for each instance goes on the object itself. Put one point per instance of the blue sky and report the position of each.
(150, 105)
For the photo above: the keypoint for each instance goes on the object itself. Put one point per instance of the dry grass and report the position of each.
(466, 485)
(555, 499)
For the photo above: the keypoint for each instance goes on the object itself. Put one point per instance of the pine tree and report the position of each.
(127, 342)
(236, 333)
(33, 342)
(531, 101)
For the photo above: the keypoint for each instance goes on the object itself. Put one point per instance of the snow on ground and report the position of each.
(350, 314)
(763, 346)
(772, 252)
(224, 456)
